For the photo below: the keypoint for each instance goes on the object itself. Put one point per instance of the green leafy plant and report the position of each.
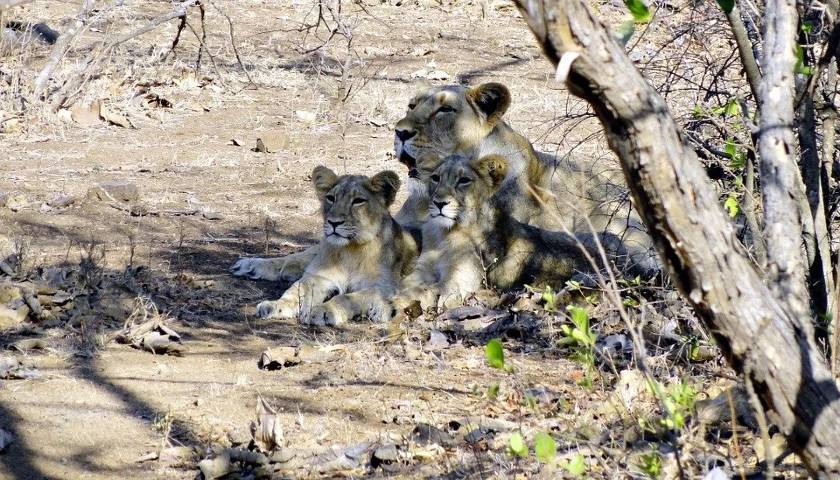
(517, 446)
(651, 465)
(495, 354)
(731, 108)
(549, 298)
(582, 338)
(800, 67)
(731, 205)
(737, 158)
(641, 13)
(679, 400)
(576, 466)
(544, 447)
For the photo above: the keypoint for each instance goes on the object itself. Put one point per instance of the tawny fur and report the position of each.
(537, 190)
(361, 259)
(471, 242)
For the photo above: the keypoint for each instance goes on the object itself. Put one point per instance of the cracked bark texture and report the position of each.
(758, 332)
(781, 186)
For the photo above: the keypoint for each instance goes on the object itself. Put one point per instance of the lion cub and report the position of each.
(361, 259)
(469, 241)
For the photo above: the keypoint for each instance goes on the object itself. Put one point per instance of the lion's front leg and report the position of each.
(298, 300)
(289, 268)
(419, 286)
(343, 308)
(462, 280)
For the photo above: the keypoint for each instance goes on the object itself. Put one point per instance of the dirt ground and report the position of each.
(100, 408)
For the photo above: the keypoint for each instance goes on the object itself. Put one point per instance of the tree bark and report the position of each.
(781, 187)
(696, 242)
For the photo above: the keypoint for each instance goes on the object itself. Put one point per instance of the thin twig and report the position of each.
(233, 42)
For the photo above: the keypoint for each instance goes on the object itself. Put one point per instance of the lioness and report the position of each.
(470, 241)
(537, 189)
(363, 256)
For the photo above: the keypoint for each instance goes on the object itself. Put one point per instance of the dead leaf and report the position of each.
(235, 142)
(112, 116)
(86, 115)
(266, 431)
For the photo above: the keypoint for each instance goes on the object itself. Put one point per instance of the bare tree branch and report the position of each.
(61, 46)
(694, 238)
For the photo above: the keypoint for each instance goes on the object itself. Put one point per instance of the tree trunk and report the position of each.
(697, 243)
(781, 187)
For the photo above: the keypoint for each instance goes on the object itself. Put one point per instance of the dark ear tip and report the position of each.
(499, 87)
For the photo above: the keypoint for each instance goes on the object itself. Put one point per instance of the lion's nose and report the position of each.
(404, 135)
(335, 224)
(440, 205)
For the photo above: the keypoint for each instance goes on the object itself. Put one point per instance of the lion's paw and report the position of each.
(273, 309)
(272, 269)
(325, 315)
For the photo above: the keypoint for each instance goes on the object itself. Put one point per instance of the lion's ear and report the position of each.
(491, 167)
(491, 98)
(421, 86)
(324, 180)
(386, 184)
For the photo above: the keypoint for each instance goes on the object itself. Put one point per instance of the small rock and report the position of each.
(13, 201)
(305, 116)
(437, 341)
(719, 410)
(480, 435)
(61, 201)
(385, 454)
(425, 434)
(116, 190)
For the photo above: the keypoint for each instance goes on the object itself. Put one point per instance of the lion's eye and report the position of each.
(330, 198)
(464, 181)
(359, 201)
(411, 106)
(435, 178)
(446, 109)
